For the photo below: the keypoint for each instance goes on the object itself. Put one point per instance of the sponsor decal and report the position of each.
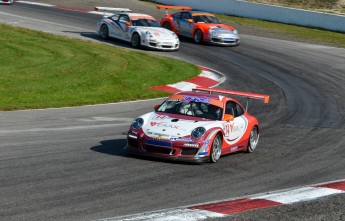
(158, 143)
(160, 117)
(228, 128)
(181, 139)
(237, 128)
(234, 148)
(229, 39)
(159, 138)
(196, 99)
(207, 142)
(166, 125)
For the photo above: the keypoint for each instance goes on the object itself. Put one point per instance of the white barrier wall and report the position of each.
(266, 12)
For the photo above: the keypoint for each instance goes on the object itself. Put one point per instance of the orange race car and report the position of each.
(201, 26)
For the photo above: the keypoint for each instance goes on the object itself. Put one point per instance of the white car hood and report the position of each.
(168, 127)
(156, 31)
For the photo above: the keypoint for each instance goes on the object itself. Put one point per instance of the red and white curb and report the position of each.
(229, 207)
(207, 78)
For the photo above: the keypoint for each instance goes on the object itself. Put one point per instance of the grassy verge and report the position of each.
(311, 35)
(40, 70)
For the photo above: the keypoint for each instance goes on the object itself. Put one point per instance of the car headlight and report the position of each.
(149, 34)
(198, 132)
(174, 35)
(213, 32)
(137, 123)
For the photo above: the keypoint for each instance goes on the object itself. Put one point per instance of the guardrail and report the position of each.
(266, 12)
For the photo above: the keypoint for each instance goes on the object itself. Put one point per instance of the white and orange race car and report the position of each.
(199, 125)
(6, 2)
(199, 25)
(139, 29)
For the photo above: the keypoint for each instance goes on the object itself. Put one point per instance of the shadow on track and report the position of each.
(113, 41)
(116, 148)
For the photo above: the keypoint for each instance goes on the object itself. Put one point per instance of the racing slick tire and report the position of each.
(198, 36)
(167, 25)
(104, 32)
(135, 40)
(253, 139)
(216, 149)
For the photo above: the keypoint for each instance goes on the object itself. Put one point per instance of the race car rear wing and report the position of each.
(166, 7)
(248, 95)
(109, 9)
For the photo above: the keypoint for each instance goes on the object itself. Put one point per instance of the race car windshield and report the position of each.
(145, 22)
(206, 19)
(192, 108)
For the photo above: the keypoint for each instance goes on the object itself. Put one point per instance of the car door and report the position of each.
(177, 18)
(114, 26)
(234, 130)
(124, 28)
(185, 26)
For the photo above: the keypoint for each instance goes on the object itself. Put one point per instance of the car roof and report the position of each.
(198, 12)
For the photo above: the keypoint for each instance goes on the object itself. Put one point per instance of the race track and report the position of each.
(69, 164)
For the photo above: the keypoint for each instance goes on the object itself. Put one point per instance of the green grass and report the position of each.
(41, 70)
(312, 35)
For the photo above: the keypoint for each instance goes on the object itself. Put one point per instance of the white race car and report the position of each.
(6, 2)
(139, 29)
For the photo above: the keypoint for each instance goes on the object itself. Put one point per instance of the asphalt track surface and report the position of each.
(69, 164)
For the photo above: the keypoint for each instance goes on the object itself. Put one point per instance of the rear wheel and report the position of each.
(135, 40)
(253, 139)
(198, 36)
(167, 25)
(104, 31)
(216, 149)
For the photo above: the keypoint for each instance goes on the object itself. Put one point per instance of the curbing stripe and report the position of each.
(299, 195)
(336, 185)
(204, 81)
(206, 78)
(238, 205)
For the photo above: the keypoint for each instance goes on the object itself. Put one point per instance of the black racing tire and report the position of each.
(135, 40)
(167, 25)
(104, 31)
(216, 149)
(198, 36)
(253, 139)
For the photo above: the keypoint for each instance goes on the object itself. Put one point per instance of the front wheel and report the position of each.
(216, 149)
(135, 40)
(198, 37)
(253, 139)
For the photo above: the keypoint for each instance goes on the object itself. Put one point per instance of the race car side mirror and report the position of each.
(128, 23)
(190, 20)
(228, 117)
(156, 107)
